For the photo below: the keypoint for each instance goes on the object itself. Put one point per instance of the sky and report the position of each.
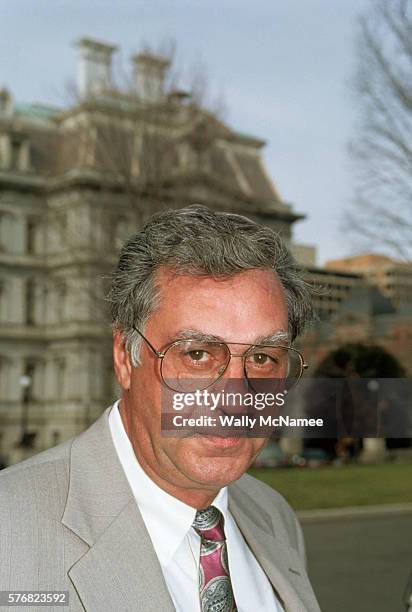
(282, 68)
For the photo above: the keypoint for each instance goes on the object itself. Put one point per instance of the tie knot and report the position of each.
(208, 524)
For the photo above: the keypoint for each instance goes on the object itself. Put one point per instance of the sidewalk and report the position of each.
(351, 512)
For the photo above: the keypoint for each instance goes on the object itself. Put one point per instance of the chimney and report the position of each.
(6, 102)
(149, 73)
(94, 67)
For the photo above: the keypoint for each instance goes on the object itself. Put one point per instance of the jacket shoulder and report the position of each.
(39, 483)
(37, 549)
(56, 453)
(283, 517)
(264, 494)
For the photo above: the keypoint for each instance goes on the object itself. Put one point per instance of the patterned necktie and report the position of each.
(216, 594)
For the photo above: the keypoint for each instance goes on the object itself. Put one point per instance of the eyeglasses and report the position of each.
(197, 364)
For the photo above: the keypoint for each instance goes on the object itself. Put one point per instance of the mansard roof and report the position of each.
(112, 135)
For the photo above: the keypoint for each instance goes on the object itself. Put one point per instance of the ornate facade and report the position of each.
(74, 183)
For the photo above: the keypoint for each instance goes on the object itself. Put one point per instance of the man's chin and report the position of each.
(217, 461)
(216, 479)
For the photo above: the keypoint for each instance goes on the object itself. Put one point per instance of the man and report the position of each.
(125, 518)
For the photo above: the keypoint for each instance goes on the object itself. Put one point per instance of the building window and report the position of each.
(2, 231)
(61, 301)
(55, 438)
(15, 153)
(19, 154)
(3, 302)
(60, 378)
(119, 231)
(29, 378)
(31, 234)
(8, 227)
(30, 302)
(62, 221)
(4, 378)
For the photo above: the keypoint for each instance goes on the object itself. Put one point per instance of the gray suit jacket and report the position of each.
(69, 521)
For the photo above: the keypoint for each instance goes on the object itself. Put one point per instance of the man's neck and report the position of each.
(195, 497)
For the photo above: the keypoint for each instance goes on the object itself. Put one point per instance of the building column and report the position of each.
(374, 450)
(291, 446)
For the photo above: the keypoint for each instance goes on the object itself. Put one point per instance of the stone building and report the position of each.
(74, 183)
(368, 317)
(391, 276)
(334, 288)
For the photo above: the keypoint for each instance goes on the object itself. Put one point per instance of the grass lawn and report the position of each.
(336, 487)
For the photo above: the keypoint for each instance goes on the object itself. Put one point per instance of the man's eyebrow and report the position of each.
(197, 334)
(275, 338)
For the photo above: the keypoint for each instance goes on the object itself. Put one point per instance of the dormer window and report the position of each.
(19, 154)
(15, 151)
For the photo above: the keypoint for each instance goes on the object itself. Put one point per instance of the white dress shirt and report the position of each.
(177, 545)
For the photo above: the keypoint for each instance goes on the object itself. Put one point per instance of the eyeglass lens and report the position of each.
(192, 359)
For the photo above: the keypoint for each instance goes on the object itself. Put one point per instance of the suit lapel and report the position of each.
(280, 562)
(120, 571)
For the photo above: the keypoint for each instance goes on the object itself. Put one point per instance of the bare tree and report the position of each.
(380, 215)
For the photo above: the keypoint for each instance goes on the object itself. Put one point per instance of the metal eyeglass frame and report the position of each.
(161, 355)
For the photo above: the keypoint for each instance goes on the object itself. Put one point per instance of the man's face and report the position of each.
(240, 309)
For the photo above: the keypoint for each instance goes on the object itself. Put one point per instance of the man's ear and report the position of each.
(121, 360)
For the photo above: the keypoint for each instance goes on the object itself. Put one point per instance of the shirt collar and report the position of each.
(167, 519)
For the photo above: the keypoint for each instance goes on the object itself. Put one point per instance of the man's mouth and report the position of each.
(219, 441)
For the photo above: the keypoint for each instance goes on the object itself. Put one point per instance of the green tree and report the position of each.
(363, 360)
(347, 361)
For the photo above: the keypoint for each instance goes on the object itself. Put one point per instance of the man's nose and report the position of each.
(234, 382)
(235, 368)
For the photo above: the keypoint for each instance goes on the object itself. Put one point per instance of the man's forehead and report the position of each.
(273, 337)
(246, 310)
(168, 278)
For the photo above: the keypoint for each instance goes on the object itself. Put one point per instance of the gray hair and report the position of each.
(200, 242)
